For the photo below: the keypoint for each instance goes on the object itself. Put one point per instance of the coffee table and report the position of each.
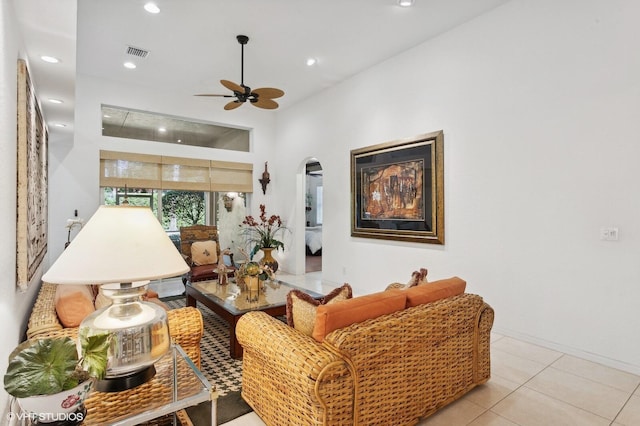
(230, 302)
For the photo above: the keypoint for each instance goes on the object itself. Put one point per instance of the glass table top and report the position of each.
(237, 300)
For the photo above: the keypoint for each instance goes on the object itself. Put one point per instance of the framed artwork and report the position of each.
(397, 190)
(32, 190)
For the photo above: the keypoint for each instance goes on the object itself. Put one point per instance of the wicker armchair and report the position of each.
(391, 370)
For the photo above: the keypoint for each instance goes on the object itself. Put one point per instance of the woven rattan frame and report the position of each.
(394, 369)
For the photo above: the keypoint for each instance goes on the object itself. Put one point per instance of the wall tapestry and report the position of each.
(398, 190)
(32, 191)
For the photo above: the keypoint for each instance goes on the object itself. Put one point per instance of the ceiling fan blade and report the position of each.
(232, 86)
(210, 94)
(268, 92)
(265, 103)
(232, 105)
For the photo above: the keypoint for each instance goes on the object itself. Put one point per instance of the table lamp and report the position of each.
(122, 248)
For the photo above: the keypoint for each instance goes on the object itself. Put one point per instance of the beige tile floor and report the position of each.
(530, 386)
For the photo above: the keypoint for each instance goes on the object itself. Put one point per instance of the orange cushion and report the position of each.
(346, 312)
(73, 304)
(436, 290)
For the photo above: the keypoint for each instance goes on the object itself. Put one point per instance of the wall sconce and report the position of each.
(265, 179)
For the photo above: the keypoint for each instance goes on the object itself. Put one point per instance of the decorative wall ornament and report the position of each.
(32, 190)
(265, 179)
(397, 190)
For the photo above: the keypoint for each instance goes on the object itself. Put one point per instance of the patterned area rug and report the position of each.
(218, 367)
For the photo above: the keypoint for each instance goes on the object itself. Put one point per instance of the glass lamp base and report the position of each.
(139, 336)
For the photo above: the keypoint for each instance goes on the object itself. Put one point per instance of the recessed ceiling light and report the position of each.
(55, 101)
(179, 140)
(311, 61)
(405, 3)
(162, 129)
(106, 116)
(50, 59)
(60, 125)
(152, 7)
(129, 65)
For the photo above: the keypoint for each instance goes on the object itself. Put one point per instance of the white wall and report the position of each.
(15, 306)
(539, 103)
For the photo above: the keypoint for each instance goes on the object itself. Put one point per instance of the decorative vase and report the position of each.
(268, 260)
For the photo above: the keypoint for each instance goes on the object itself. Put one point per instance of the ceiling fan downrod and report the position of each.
(242, 39)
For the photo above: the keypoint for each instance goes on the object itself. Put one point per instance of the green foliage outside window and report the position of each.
(186, 206)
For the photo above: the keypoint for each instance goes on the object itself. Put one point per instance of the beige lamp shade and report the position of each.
(119, 244)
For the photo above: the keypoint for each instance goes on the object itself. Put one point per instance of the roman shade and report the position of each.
(118, 169)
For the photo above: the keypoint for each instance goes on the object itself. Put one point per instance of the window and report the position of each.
(128, 123)
(173, 208)
(180, 191)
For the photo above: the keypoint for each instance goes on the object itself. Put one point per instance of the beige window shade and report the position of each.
(227, 176)
(160, 172)
(187, 174)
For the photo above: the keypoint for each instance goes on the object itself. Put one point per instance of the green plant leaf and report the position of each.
(41, 367)
(94, 354)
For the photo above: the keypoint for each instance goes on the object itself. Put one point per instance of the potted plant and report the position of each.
(263, 235)
(49, 379)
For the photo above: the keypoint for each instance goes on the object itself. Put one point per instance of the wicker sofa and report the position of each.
(389, 370)
(185, 324)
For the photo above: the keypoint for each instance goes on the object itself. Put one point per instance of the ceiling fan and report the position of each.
(261, 98)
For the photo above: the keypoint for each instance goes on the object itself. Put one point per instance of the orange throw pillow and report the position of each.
(436, 290)
(73, 304)
(346, 312)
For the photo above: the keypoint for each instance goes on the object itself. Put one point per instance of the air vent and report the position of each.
(136, 51)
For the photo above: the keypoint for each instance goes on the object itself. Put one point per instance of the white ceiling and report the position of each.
(192, 43)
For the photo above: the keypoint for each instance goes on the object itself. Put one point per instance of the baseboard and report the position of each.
(589, 356)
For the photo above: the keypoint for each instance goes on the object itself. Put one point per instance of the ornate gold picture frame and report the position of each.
(32, 190)
(397, 190)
